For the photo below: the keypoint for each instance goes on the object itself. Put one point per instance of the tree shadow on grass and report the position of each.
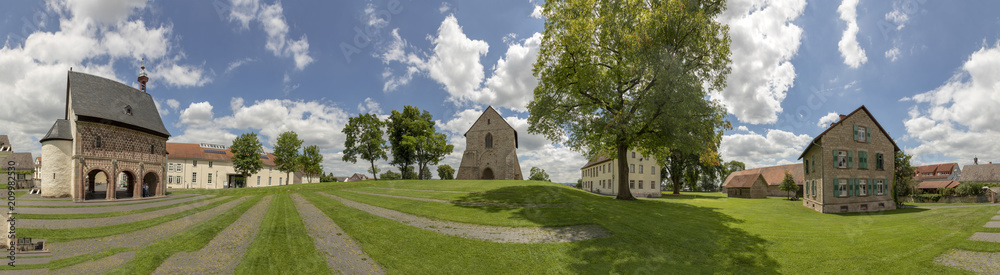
(886, 212)
(647, 236)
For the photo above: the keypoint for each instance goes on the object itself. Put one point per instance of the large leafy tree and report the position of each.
(311, 161)
(680, 166)
(538, 174)
(428, 149)
(246, 151)
(615, 75)
(286, 153)
(410, 122)
(365, 140)
(732, 166)
(445, 172)
(903, 177)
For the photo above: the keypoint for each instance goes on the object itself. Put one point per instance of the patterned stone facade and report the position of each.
(141, 156)
(849, 168)
(491, 150)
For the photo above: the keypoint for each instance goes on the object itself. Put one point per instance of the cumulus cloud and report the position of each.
(892, 54)
(827, 119)
(743, 128)
(369, 106)
(852, 52)
(959, 118)
(755, 150)
(444, 7)
(173, 104)
(538, 12)
(763, 42)
(272, 21)
(897, 16)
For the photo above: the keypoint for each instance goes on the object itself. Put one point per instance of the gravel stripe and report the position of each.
(992, 224)
(110, 208)
(978, 262)
(99, 266)
(342, 253)
(224, 252)
(986, 237)
(492, 204)
(137, 238)
(996, 218)
(95, 222)
(500, 234)
(420, 190)
(93, 202)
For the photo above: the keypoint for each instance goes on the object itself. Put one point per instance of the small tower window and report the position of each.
(487, 121)
(151, 149)
(489, 140)
(128, 110)
(98, 143)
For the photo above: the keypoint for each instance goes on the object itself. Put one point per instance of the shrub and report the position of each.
(926, 197)
(969, 189)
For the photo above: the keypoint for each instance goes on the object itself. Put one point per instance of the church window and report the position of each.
(98, 143)
(152, 149)
(489, 140)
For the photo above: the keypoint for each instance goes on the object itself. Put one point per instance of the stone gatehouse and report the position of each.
(490, 149)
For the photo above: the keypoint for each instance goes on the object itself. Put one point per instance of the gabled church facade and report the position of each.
(490, 150)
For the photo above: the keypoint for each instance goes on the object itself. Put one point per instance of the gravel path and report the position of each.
(996, 218)
(225, 251)
(137, 238)
(342, 254)
(992, 224)
(93, 203)
(985, 237)
(105, 209)
(492, 204)
(956, 206)
(500, 234)
(95, 222)
(978, 262)
(99, 266)
(420, 190)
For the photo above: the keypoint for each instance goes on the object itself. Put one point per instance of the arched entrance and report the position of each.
(487, 174)
(125, 185)
(149, 182)
(96, 187)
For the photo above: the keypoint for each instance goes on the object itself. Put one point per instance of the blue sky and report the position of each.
(928, 70)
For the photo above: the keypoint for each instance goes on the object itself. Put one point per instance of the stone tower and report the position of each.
(490, 150)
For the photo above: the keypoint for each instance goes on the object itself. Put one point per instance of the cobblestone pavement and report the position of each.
(137, 238)
(224, 252)
(95, 222)
(105, 209)
(985, 237)
(342, 254)
(978, 262)
(493, 204)
(500, 234)
(63, 202)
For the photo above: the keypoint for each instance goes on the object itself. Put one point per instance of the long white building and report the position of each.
(210, 166)
(600, 176)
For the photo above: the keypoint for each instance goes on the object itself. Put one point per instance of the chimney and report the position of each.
(142, 76)
(975, 160)
(842, 117)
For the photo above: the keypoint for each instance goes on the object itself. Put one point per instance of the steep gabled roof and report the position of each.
(981, 172)
(22, 161)
(59, 131)
(774, 175)
(490, 109)
(104, 99)
(838, 124)
(935, 184)
(739, 181)
(196, 152)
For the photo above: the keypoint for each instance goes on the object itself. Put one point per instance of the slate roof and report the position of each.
(22, 161)
(59, 131)
(101, 98)
(836, 124)
(981, 172)
(5, 142)
(740, 181)
(773, 175)
(195, 151)
(596, 161)
(935, 184)
(490, 108)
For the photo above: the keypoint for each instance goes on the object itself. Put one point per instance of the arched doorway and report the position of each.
(149, 182)
(488, 174)
(124, 187)
(95, 186)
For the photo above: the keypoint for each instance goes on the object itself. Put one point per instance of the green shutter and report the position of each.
(849, 159)
(814, 163)
(855, 132)
(869, 135)
(834, 158)
(836, 185)
(863, 160)
(806, 166)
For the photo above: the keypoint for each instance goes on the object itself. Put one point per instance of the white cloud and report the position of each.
(959, 118)
(369, 106)
(272, 20)
(174, 104)
(538, 12)
(892, 54)
(852, 52)
(757, 150)
(743, 128)
(897, 16)
(455, 63)
(444, 7)
(561, 163)
(763, 42)
(512, 84)
(197, 114)
(825, 121)
(238, 63)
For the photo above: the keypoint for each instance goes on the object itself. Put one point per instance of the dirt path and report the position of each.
(420, 190)
(342, 253)
(224, 252)
(105, 209)
(95, 222)
(500, 234)
(491, 204)
(63, 202)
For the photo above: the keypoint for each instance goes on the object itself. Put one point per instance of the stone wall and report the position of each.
(141, 155)
(500, 159)
(57, 173)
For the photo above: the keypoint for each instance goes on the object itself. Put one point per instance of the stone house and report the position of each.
(111, 131)
(849, 167)
(490, 150)
(773, 176)
(5, 147)
(357, 177)
(943, 171)
(24, 169)
(931, 186)
(210, 166)
(747, 186)
(985, 173)
(600, 176)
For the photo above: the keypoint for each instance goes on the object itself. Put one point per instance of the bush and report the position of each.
(926, 197)
(970, 189)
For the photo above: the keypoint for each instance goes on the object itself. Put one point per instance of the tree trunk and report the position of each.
(623, 191)
(287, 177)
(374, 173)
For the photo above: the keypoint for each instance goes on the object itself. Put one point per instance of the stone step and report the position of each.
(996, 218)
(993, 224)
(985, 237)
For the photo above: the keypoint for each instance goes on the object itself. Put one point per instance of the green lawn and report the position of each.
(282, 246)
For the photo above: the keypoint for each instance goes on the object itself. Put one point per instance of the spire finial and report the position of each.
(142, 76)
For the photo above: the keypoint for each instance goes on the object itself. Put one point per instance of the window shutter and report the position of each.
(863, 160)
(869, 135)
(836, 187)
(814, 163)
(834, 158)
(855, 132)
(806, 166)
(849, 159)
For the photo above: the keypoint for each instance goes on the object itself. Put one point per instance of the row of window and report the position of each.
(845, 159)
(851, 187)
(597, 170)
(194, 179)
(608, 184)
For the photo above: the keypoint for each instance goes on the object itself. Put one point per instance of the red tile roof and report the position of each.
(773, 175)
(935, 184)
(739, 181)
(934, 169)
(195, 151)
